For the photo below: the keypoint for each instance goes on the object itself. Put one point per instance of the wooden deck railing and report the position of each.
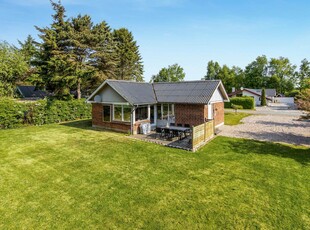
(201, 134)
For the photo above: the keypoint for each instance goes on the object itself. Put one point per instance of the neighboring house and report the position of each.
(124, 105)
(255, 93)
(30, 92)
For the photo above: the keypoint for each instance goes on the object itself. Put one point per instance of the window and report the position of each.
(106, 113)
(126, 113)
(122, 113)
(167, 111)
(117, 113)
(141, 113)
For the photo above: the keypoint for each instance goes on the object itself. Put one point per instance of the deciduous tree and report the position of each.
(256, 73)
(285, 71)
(213, 70)
(173, 73)
(13, 66)
(304, 75)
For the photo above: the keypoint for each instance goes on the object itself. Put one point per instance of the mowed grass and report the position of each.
(73, 177)
(234, 118)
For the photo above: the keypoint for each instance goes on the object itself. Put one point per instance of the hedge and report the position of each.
(14, 113)
(245, 102)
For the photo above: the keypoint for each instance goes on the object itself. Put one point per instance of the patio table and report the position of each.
(177, 128)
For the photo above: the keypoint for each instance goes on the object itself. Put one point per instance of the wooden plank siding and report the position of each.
(201, 134)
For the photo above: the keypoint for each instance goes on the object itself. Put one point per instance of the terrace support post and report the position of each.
(193, 135)
(204, 131)
(132, 119)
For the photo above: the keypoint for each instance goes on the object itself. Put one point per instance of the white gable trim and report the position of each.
(96, 91)
(106, 82)
(222, 90)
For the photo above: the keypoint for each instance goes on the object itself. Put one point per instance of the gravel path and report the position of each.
(273, 128)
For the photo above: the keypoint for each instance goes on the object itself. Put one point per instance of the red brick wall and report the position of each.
(97, 120)
(192, 114)
(218, 113)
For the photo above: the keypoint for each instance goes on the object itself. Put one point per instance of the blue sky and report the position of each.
(187, 32)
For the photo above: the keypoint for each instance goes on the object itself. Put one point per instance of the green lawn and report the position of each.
(73, 177)
(234, 118)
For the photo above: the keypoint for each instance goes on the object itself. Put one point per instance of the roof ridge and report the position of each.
(128, 81)
(193, 81)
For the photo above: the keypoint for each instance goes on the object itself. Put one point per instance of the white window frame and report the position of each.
(122, 119)
(161, 106)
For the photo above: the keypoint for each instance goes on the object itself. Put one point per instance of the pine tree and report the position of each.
(263, 101)
(29, 51)
(79, 50)
(104, 57)
(130, 65)
(54, 70)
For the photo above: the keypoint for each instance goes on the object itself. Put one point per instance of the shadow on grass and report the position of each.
(86, 125)
(290, 138)
(298, 123)
(81, 124)
(243, 146)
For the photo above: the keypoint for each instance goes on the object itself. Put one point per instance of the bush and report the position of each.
(11, 113)
(14, 113)
(236, 106)
(245, 102)
(263, 101)
(293, 93)
(303, 100)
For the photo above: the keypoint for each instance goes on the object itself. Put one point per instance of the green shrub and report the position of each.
(263, 101)
(236, 106)
(245, 102)
(293, 93)
(11, 113)
(14, 113)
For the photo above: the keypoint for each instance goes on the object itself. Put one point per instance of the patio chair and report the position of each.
(159, 132)
(168, 133)
(178, 134)
(189, 131)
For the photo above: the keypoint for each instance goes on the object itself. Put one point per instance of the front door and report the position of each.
(210, 111)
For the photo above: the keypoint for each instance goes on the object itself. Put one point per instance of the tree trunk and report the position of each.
(79, 89)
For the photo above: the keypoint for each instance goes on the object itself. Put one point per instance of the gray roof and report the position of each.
(269, 92)
(189, 92)
(31, 92)
(134, 92)
(193, 92)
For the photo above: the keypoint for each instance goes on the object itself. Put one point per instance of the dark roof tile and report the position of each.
(185, 92)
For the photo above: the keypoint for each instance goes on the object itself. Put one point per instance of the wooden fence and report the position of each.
(201, 134)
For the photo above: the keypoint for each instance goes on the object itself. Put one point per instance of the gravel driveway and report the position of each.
(275, 128)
